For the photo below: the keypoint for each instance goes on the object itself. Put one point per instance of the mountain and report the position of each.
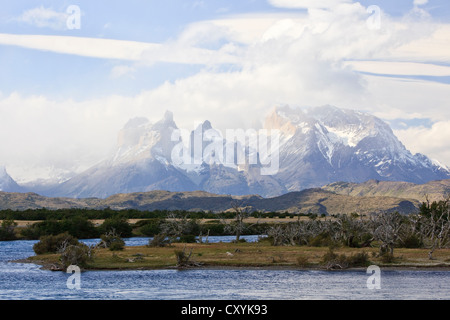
(327, 144)
(434, 190)
(7, 183)
(140, 163)
(316, 201)
(314, 147)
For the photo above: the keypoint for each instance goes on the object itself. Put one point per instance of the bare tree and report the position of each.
(238, 226)
(174, 227)
(435, 224)
(184, 260)
(348, 228)
(386, 228)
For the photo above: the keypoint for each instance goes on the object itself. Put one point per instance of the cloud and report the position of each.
(433, 142)
(44, 18)
(121, 71)
(307, 3)
(400, 68)
(118, 49)
(420, 2)
(304, 58)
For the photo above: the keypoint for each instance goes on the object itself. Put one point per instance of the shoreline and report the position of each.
(407, 267)
(250, 256)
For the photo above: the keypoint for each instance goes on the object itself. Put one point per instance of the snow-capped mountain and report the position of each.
(140, 163)
(7, 184)
(327, 144)
(316, 146)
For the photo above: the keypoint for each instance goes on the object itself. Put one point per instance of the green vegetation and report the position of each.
(343, 241)
(53, 243)
(245, 254)
(107, 213)
(7, 230)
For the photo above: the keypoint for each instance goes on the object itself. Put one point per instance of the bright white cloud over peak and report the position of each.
(309, 4)
(229, 68)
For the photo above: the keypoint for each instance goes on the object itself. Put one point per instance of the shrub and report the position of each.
(159, 240)
(112, 240)
(321, 240)
(332, 260)
(360, 259)
(187, 238)
(149, 227)
(413, 241)
(51, 243)
(80, 227)
(120, 225)
(7, 230)
(78, 255)
(43, 228)
(387, 257)
(302, 261)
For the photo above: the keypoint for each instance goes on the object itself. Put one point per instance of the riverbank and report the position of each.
(259, 255)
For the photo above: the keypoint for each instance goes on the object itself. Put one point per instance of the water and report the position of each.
(28, 282)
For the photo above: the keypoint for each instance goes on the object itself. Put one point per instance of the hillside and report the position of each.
(316, 201)
(435, 190)
(311, 147)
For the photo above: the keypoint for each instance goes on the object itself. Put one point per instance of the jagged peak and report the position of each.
(3, 172)
(136, 122)
(168, 116)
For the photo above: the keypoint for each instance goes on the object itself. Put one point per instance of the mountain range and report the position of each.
(7, 183)
(316, 201)
(309, 148)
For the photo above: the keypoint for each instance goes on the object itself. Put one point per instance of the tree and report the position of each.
(386, 228)
(175, 227)
(435, 223)
(237, 226)
(112, 240)
(7, 230)
(117, 225)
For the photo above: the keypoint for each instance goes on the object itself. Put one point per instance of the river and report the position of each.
(20, 281)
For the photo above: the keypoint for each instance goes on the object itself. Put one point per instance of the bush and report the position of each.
(387, 257)
(78, 227)
(187, 238)
(120, 225)
(112, 241)
(51, 243)
(44, 228)
(412, 242)
(358, 260)
(159, 240)
(77, 255)
(321, 240)
(149, 227)
(302, 261)
(332, 260)
(7, 230)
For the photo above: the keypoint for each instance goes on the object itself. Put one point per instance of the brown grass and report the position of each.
(246, 255)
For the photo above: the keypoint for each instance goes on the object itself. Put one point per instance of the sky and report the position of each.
(72, 73)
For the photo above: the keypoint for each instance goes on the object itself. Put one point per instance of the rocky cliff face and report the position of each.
(316, 146)
(7, 183)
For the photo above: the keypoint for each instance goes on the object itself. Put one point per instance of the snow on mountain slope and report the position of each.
(317, 146)
(332, 144)
(7, 184)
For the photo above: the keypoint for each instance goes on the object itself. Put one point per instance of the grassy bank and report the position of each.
(247, 255)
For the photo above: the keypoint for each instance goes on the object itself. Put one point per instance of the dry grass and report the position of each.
(246, 255)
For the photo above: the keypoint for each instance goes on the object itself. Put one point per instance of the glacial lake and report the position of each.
(19, 281)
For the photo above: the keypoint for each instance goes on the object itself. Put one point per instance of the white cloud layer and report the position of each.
(309, 4)
(434, 141)
(304, 59)
(42, 17)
